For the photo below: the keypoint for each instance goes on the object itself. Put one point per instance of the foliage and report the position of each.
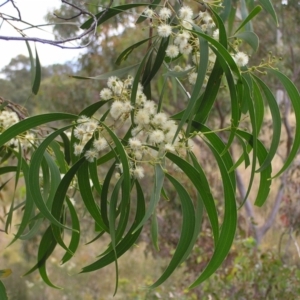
(104, 152)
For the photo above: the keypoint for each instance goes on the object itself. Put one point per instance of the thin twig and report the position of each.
(60, 43)
(67, 19)
(4, 3)
(15, 6)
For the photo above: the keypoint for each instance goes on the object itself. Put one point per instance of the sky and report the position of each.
(32, 11)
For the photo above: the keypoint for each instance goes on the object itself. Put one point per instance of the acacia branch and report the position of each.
(58, 43)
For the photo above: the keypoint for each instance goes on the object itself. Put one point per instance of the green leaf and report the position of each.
(87, 195)
(11, 210)
(200, 182)
(32, 122)
(229, 223)
(247, 80)
(46, 247)
(258, 105)
(109, 13)
(146, 71)
(124, 210)
(244, 156)
(187, 231)
(74, 242)
(226, 10)
(154, 231)
(118, 73)
(221, 27)
(3, 294)
(211, 91)
(250, 37)
(57, 207)
(268, 6)
(91, 109)
(60, 157)
(235, 90)
(265, 175)
(124, 55)
(34, 184)
(222, 51)
(190, 109)
(29, 204)
(32, 64)
(276, 122)
(249, 17)
(112, 225)
(232, 18)
(199, 209)
(295, 100)
(218, 144)
(104, 194)
(94, 176)
(129, 239)
(245, 13)
(155, 196)
(55, 178)
(125, 163)
(159, 59)
(67, 147)
(38, 74)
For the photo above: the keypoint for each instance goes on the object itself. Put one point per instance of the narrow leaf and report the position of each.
(199, 180)
(249, 37)
(265, 175)
(155, 196)
(187, 231)
(34, 184)
(228, 226)
(129, 239)
(38, 74)
(32, 122)
(276, 122)
(118, 73)
(268, 6)
(108, 14)
(3, 294)
(249, 17)
(154, 231)
(295, 100)
(124, 55)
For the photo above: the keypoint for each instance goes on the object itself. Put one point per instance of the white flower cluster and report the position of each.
(183, 41)
(241, 59)
(151, 128)
(84, 131)
(9, 118)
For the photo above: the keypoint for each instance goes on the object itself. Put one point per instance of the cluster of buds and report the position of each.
(153, 133)
(86, 129)
(183, 42)
(9, 118)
